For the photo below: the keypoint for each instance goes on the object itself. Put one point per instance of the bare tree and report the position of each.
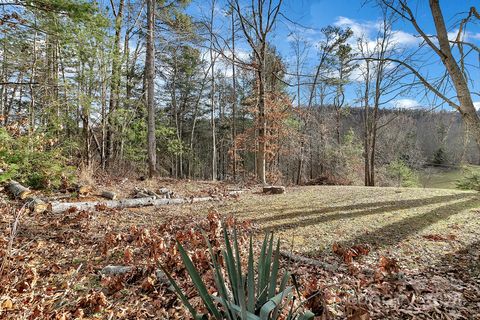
(335, 37)
(300, 49)
(380, 78)
(256, 24)
(443, 49)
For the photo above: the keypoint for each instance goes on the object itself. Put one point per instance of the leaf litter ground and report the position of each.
(394, 253)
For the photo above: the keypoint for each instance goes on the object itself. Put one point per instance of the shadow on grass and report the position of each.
(394, 233)
(464, 263)
(368, 209)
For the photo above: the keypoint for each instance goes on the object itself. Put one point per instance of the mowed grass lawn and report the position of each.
(394, 221)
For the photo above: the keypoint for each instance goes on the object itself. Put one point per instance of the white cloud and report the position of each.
(359, 29)
(406, 104)
(309, 36)
(370, 29)
(358, 74)
(475, 36)
(225, 65)
(465, 36)
(476, 104)
(242, 55)
(452, 35)
(406, 39)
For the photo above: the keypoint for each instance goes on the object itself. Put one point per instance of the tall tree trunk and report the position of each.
(31, 127)
(338, 102)
(300, 160)
(175, 110)
(261, 161)
(150, 74)
(234, 104)
(66, 111)
(337, 126)
(103, 102)
(85, 112)
(464, 96)
(366, 121)
(212, 98)
(262, 123)
(366, 152)
(3, 79)
(115, 83)
(374, 122)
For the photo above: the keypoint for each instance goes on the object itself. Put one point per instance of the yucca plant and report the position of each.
(257, 293)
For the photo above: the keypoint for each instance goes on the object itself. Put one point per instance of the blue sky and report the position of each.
(318, 13)
(364, 18)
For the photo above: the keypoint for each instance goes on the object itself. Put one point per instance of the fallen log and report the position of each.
(17, 190)
(115, 270)
(201, 199)
(166, 193)
(140, 195)
(109, 195)
(235, 192)
(36, 205)
(143, 193)
(57, 207)
(274, 189)
(308, 261)
(112, 270)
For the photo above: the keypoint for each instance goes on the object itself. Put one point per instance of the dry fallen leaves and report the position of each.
(348, 254)
(7, 304)
(49, 247)
(388, 265)
(357, 312)
(438, 237)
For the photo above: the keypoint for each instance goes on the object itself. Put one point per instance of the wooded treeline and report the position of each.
(76, 91)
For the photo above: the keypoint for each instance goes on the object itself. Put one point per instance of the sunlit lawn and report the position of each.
(393, 220)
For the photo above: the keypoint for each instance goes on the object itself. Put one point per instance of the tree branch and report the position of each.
(420, 77)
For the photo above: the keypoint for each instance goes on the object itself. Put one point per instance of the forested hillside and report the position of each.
(74, 87)
(235, 159)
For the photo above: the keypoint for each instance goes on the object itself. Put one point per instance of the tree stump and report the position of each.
(17, 190)
(274, 189)
(36, 205)
(109, 195)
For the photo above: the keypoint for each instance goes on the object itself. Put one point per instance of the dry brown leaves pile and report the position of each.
(374, 286)
(56, 262)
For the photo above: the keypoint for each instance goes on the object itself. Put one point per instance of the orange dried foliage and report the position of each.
(348, 254)
(388, 265)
